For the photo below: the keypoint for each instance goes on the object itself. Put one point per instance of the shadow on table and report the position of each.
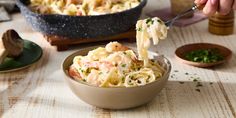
(176, 98)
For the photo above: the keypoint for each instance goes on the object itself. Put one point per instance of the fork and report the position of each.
(170, 22)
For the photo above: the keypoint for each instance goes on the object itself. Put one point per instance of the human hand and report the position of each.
(221, 6)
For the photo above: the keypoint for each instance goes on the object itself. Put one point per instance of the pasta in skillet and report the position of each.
(81, 7)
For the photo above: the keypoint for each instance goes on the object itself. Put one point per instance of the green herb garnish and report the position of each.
(149, 22)
(123, 79)
(139, 29)
(123, 65)
(158, 20)
(204, 55)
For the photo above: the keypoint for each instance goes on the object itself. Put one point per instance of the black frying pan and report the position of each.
(82, 26)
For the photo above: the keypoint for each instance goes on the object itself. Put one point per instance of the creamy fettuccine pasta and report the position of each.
(147, 29)
(114, 66)
(81, 7)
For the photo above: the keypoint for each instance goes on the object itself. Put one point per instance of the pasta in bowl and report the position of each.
(112, 77)
(118, 95)
(114, 65)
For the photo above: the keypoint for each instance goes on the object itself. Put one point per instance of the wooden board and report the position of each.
(63, 43)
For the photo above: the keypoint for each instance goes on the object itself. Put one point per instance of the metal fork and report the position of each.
(170, 22)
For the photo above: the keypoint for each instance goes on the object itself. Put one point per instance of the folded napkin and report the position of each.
(165, 15)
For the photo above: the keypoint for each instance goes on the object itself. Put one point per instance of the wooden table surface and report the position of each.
(40, 91)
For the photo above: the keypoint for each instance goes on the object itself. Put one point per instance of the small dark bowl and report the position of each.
(82, 26)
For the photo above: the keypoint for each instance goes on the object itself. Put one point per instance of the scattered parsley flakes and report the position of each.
(199, 84)
(195, 80)
(198, 90)
(186, 73)
(176, 71)
(181, 82)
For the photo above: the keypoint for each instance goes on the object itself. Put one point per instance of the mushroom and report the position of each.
(11, 45)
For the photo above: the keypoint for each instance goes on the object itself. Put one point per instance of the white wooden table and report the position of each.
(40, 91)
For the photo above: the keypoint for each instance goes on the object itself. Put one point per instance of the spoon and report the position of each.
(170, 22)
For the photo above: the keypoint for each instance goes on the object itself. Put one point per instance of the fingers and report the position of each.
(203, 1)
(225, 6)
(200, 2)
(211, 7)
(234, 5)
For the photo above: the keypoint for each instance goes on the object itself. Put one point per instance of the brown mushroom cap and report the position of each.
(13, 43)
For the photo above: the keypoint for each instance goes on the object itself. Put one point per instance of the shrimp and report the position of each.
(74, 74)
(115, 46)
(93, 78)
(103, 65)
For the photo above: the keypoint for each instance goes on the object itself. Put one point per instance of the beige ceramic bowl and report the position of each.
(115, 98)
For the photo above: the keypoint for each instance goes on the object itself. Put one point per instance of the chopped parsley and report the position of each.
(123, 65)
(139, 29)
(132, 77)
(81, 70)
(123, 79)
(149, 22)
(204, 55)
(196, 79)
(198, 90)
(199, 84)
(158, 20)
(181, 82)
